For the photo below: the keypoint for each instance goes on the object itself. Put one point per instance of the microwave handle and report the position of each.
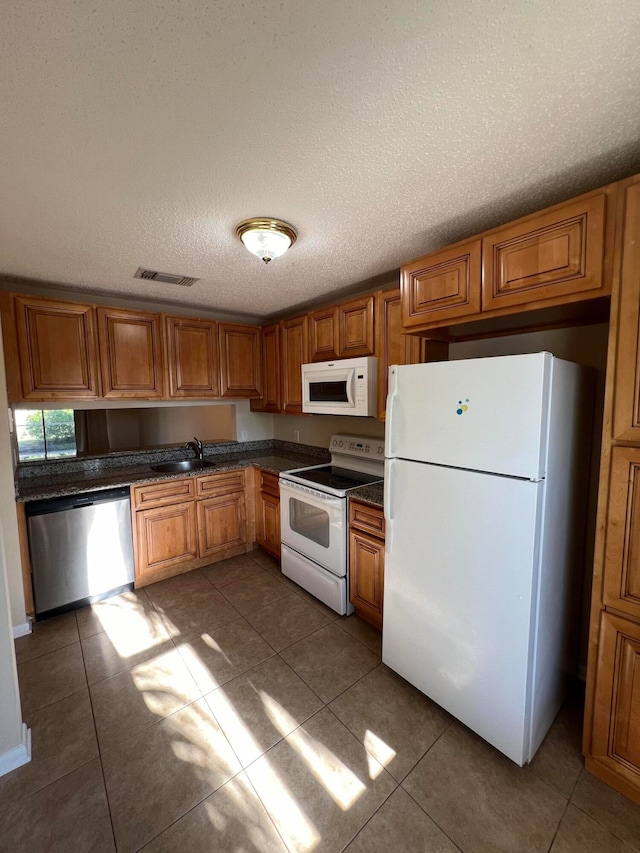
(351, 382)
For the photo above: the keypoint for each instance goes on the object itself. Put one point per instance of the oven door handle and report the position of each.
(311, 494)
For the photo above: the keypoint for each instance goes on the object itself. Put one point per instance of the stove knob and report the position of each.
(340, 443)
(380, 450)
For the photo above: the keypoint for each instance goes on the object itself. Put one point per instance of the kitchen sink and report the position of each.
(182, 465)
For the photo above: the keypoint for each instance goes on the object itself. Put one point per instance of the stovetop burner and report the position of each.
(337, 478)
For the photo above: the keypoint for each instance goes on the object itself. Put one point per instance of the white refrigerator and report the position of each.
(485, 487)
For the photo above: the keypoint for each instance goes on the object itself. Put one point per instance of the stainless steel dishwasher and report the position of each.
(81, 548)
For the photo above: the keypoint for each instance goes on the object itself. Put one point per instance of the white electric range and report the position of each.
(313, 517)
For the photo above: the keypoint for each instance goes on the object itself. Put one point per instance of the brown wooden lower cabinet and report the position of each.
(615, 740)
(188, 522)
(268, 512)
(221, 524)
(366, 561)
(166, 537)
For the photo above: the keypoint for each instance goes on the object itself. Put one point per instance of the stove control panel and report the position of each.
(363, 447)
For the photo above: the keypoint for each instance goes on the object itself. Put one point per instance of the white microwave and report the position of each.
(346, 386)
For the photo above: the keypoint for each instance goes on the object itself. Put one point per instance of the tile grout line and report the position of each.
(95, 729)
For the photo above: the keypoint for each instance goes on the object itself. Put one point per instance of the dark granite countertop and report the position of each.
(95, 476)
(373, 495)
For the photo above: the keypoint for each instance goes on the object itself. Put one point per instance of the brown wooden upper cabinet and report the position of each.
(271, 396)
(626, 413)
(356, 328)
(323, 334)
(131, 353)
(554, 254)
(545, 259)
(443, 286)
(394, 347)
(240, 369)
(343, 331)
(294, 342)
(192, 355)
(57, 349)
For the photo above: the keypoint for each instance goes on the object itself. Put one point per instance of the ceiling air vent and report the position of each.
(165, 277)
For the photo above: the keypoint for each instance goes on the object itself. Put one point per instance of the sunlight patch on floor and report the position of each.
(292, 824)
(379, 754)
(163, 682)
(130, 628)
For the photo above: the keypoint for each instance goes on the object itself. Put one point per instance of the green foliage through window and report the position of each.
(45, 434)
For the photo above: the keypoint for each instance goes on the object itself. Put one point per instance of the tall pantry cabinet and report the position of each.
(612, 716)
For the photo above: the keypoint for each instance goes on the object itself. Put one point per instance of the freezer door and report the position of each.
(485, 414)
(460, 568)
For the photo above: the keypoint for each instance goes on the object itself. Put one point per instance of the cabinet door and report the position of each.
(622, 549)
(355, 328)
(550, 256)
(323, 334)
(240, 371)
(57, 346)
(442, 286)
(366, 576)
(394, 347)
(270, 400)
(165, 537)
(626, 415)
(616, 721)
(192, 353)
(268, 523)
(294, 339)
(131, 353)
(221, 524)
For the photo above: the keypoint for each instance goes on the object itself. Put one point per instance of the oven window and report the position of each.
(328, 392)
(309, 521)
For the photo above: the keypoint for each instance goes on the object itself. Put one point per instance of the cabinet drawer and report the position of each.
(269, 483)
(160, 494)
(367, 518)
(219, 484)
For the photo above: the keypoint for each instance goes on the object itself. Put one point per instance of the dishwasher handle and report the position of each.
(76, 501)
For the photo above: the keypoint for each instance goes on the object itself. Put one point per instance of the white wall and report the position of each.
(318, 429)
(11, 728)
(258, 426)
(8, 517)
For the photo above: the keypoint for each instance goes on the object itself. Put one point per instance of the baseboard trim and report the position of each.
(22, 630)
(17, 756)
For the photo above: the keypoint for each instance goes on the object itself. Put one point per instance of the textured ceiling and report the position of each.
(140, 133)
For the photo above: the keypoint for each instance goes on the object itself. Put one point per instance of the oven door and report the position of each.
(314, 524)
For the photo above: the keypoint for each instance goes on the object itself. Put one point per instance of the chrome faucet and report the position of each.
(197, 447)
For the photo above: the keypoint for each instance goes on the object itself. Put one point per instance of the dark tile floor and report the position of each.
(228, 710)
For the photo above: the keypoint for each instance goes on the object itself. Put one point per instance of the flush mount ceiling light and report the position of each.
(267, 238)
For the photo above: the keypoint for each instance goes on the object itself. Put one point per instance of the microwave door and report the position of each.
(332, 389)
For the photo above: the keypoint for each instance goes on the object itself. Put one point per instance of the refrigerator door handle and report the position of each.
(391, 405)
(388, 504)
